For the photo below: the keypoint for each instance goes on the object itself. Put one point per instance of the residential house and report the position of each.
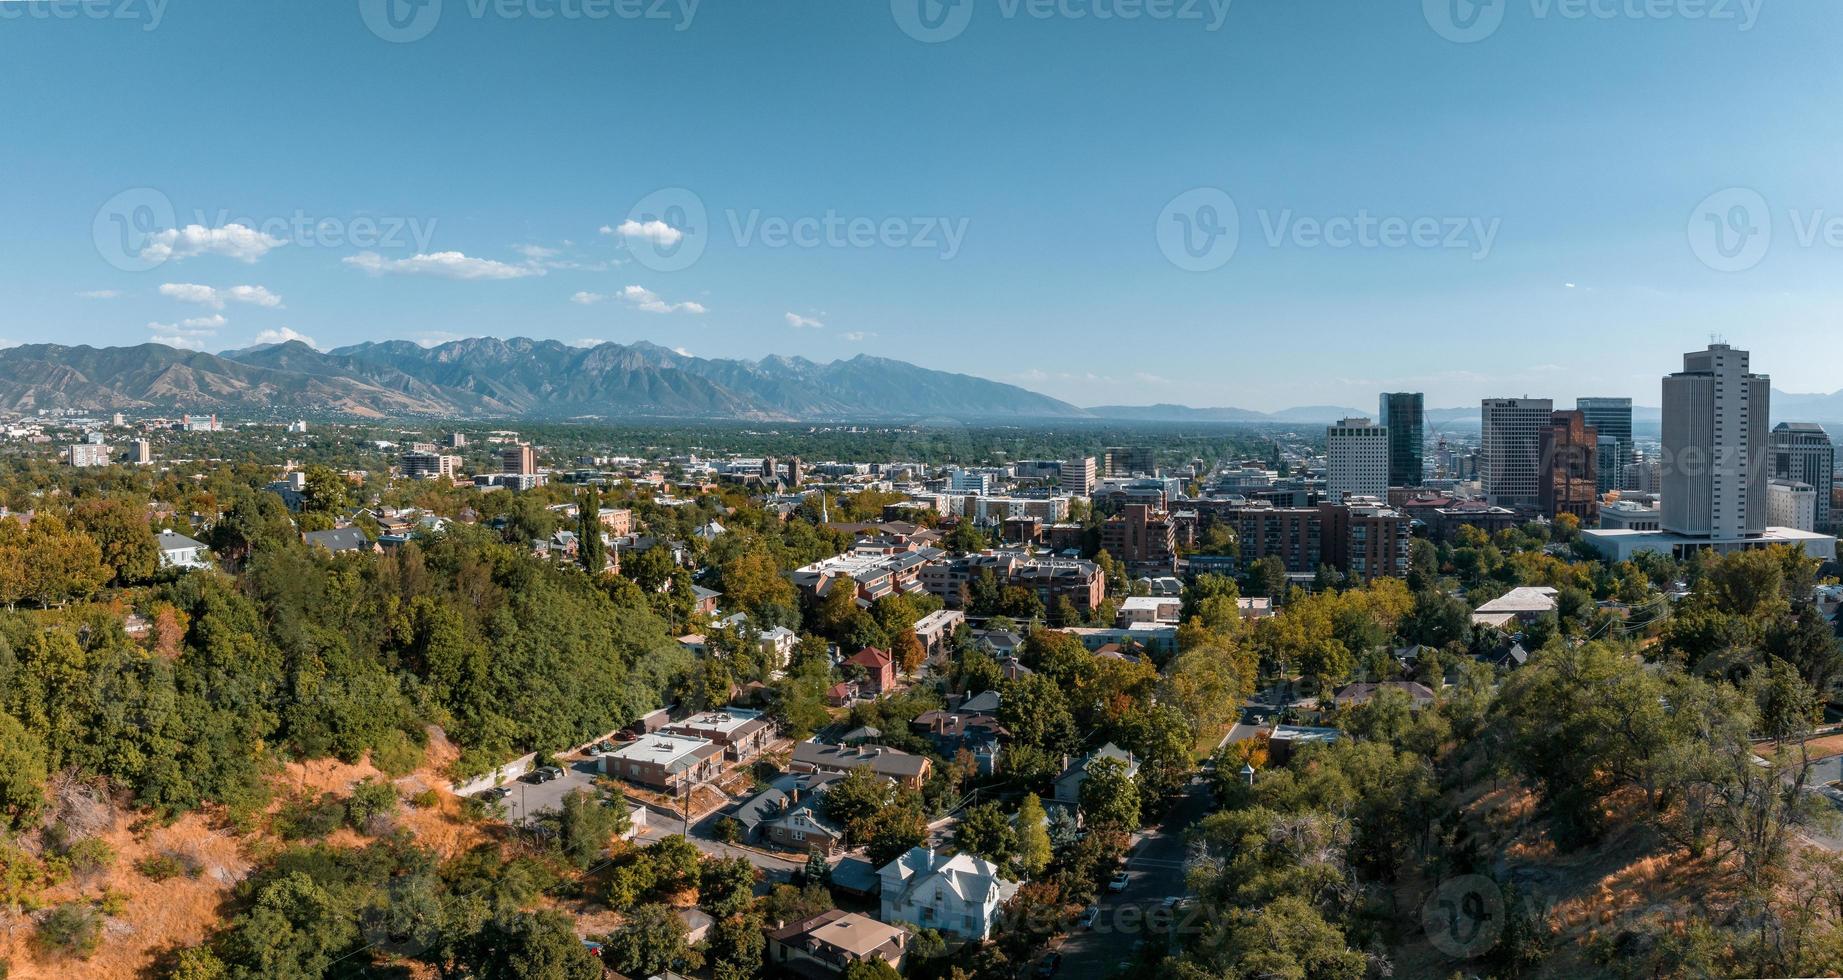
(340, 540)
(1068, 785)
(790, 814)
(1351, 695)
(705, 600)
(1522, 604)
(909, 770)
(179, 551)
(879, 667)
(977, 732)
(958, 895)
(826, 944)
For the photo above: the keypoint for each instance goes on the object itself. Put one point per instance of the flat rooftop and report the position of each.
(661, 749)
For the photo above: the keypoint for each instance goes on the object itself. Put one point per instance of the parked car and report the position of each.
(1049, 966)
(1118, 882)
(545, 774)
(1089, 916)
(492, 793)
(604, 746)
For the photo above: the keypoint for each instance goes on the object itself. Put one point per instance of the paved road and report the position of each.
(1156, 870)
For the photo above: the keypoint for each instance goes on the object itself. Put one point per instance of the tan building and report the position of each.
(1570, 468)
(830, 942)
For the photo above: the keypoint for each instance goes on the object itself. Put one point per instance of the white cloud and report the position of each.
(649, 301)
(436, 338)
(99, 294)
(179, 335)
(587, 298)
(655, 231)
(856, 335)
(534, 252)
(587, 342)
(442, 265)
(797, 321)
(5, 343)
(681, 352)
(191, 292)
(211, 322)
(232, 241)
(282, 335)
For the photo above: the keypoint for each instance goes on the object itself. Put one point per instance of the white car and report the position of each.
(1118, 882)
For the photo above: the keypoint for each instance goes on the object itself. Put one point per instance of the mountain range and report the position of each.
(486, 377)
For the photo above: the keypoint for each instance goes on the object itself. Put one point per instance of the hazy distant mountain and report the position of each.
(1304, 415)
(491, 377)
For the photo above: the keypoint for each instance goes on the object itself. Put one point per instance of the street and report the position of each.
(1156, 869)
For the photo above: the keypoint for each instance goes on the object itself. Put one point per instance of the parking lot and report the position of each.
(528, 798)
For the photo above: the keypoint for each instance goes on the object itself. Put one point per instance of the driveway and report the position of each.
(1155, 869)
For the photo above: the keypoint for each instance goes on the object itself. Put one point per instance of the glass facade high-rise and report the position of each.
(1802, 451)
(1612, 419)
(1403, 414)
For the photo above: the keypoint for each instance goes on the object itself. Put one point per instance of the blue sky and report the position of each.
(1012, 186)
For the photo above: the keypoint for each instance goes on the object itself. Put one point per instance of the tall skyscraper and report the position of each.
(1356, 461)
(1403, 414)
(1802, 452)
(1716, 457)
(1611, 419)
(1078, 476)
(520, 459)
(1570, 459)
(1510, 455)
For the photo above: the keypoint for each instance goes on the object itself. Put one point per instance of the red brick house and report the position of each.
(879, 665)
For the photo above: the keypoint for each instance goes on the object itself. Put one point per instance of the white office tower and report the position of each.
(1716, 457)
(1078, 476)
(1356, 461)
(1510, 450)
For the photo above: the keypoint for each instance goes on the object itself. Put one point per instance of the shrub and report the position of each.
(307, 819)
(89, 856)
(167, 865)
(370, 800)
(428, 799)
(72, 929)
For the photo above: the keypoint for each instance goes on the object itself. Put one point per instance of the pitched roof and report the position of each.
(878, 758)
(174, 541)
(871, 657)
(972, 879)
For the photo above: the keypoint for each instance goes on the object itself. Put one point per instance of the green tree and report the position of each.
(726, 886)
(22, 774)
(1033, 843)
(985, 831)
(1109, 796)
(586, 825)
(652, 940)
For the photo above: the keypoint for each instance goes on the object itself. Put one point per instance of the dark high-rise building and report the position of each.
(1569, 458)
(1403, 414)
(1611, 418)
(1802, 451)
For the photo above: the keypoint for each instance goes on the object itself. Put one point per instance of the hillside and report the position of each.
(486, 377)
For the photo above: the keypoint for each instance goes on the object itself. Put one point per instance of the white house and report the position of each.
(958, 895)
(179, 551)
